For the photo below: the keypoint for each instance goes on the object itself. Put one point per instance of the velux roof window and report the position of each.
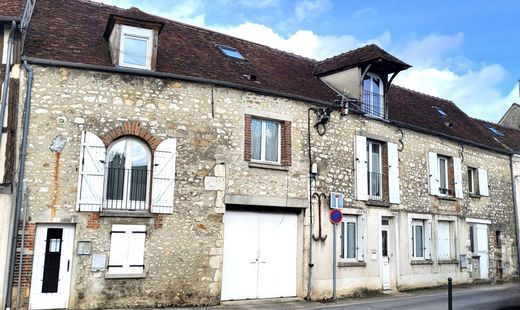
(230, 52)
(440, 111)
(495, 131)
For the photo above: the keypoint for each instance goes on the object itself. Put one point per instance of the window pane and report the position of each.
(442, 174)
(366, 84)
(271, 141)
(351, 240)
(138, 179)
(419, 241)
(116, 171)
(384, 243)
(135, 51)
(470, 180)
(256, 139)
(54, 245)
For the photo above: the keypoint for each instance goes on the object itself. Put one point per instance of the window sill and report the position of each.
(448, 261)
(125, 276)
(352, 264)
(421, 262)
(268, 166)
(124, 213)
(447, 198)
(474, 195)
(378, 203)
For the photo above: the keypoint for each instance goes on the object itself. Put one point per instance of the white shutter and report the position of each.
(360, 164)
(91, 173)
(457, 172)
(483, 182)
(137, 236)
(411, 240)
(163, 184)
(393, 173)
(433, 174)
(427, 239)
(361, 237)
(117, 262)
(443, 240)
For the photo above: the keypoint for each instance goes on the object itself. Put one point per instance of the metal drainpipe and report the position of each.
(515, 208)
(5, 88)
(20, 186)
(311, 264)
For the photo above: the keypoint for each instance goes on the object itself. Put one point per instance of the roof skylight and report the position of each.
(230, 52)
(440, 111)
(495, 131)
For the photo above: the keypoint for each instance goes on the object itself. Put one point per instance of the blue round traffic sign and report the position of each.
(335, 216)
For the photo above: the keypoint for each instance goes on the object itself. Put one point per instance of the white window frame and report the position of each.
(445, 167)
(126, 201)
(473, 182)
(344, 248)
(381, 92)
(418, 223)
(263, 141)
(370, 144)
(139, 34)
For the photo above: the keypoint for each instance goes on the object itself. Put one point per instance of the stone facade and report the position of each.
(184, 250)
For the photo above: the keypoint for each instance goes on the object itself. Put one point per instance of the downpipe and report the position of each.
(311, 177)
(5, 88)
(515, 209)
(20, 190)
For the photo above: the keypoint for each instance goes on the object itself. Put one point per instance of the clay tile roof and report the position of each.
(12, 8)
(362, 55)
(511, 137)
(415, 108)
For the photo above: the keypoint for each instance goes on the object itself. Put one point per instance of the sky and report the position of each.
(464, 51)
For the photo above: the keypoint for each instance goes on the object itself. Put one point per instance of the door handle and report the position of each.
(68, 265)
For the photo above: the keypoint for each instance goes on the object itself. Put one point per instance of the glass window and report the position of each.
(349, 231)
(472, 180)
(54, 245)
(265, 141)
(375, 176)
(443, 175)
(135, 50)
(471, 239)
(230, 52)
(440, 111)
(495, 131)
(373, 95)
(418, 239)
(127, 174)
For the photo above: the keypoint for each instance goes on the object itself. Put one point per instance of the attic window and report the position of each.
(440, 111)
(495, 131)
(136, 47)
(230, 52)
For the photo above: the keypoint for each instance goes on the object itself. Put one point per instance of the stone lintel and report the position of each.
(266, 201)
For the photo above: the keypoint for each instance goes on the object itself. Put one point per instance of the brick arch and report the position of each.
(132, 128)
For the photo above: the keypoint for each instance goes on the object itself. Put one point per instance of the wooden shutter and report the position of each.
(91, 173)
(361, 238)
(457, 173)
(137, 236)
(118, 250)
(163, 184)
(427, 239)
(360, 165)
(393, 173)
(483, 182)
(411, 240)
(433, 174)
(443, 240)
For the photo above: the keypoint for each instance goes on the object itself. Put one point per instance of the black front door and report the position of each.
(51, 266)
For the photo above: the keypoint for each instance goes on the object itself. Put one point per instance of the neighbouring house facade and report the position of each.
(172, 165)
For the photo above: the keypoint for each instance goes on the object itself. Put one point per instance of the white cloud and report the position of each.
(311, 8)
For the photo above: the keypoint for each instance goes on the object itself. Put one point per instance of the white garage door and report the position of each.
(259, 255)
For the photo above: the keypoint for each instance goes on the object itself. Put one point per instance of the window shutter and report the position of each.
(342, 238)
(137, 236)
(411, 239)
(483, 182)
(91, 173)
(443, 240)
(361, 237)
(118, 250)
(433, 174)
(360, 164)
(393, 173)
(163, 184)
(427, 239)
(457, 173)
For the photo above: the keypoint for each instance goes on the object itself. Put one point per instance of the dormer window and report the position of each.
(373, 102)
(136, 47)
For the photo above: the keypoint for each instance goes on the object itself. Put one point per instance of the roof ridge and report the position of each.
(199, 28)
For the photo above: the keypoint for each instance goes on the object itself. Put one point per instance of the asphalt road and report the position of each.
(485, 297)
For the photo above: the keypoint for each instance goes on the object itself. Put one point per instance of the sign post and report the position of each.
(335, 216)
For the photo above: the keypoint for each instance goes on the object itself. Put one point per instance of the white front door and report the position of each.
(259, 255)
(52, 265)
(482, 249)
(385, 261)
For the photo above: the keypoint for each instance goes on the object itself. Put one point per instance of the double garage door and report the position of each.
(259, 255)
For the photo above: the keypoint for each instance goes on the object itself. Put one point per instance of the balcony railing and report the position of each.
(375, 186)
(126, 189)
(373, 104)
